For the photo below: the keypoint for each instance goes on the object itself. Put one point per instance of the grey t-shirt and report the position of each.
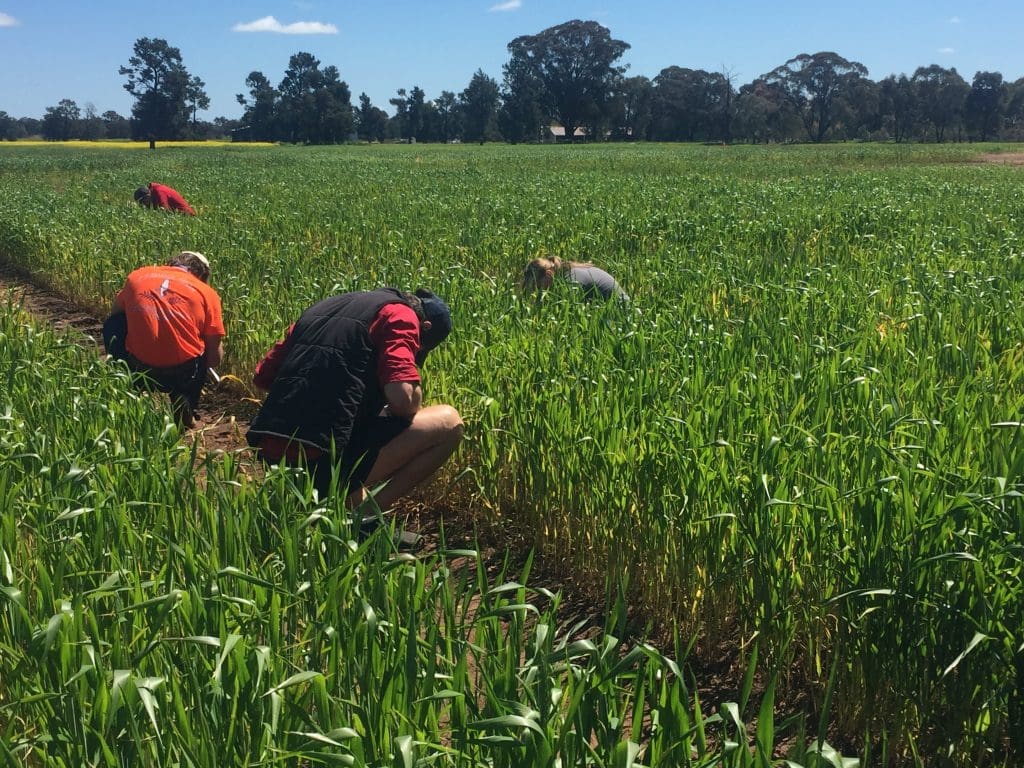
(596, 282)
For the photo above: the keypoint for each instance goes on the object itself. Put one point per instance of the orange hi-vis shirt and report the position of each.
(170, 313)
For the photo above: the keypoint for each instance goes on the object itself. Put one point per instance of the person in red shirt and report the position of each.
(344, 398)
(167, 324)
(161, 196)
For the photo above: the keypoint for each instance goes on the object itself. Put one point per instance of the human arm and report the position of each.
(267, 368)
(405, 398)
(211, 326)
(395, 333)
(214, 353)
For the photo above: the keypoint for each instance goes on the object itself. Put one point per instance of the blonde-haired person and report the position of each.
(541, 273)
(166, 323)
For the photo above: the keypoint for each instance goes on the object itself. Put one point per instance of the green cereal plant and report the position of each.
(803, 433)
(160, 608)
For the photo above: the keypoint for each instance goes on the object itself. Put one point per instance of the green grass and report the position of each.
(802, 437)
(157, 609)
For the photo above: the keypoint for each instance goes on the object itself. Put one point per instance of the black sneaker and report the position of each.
(404, 541)
(407, 541)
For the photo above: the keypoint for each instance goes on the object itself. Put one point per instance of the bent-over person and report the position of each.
(166, 323)
(345, 398)
(541, 273)
(161, 196)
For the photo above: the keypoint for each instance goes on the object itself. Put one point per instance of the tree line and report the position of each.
(566, 83)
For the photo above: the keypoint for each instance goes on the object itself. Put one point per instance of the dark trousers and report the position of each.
(357, 459)
(184, 382)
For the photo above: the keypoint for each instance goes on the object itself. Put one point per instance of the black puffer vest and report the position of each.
(327, 385)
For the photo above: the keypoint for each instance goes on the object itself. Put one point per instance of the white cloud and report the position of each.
(270, 24)
(7, 21)
(508, 5)
(954, 20)
(947, 50)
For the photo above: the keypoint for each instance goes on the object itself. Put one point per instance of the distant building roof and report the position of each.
(558, 131)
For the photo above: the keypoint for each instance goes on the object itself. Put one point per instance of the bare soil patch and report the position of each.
(46, 305)
(1003, 158)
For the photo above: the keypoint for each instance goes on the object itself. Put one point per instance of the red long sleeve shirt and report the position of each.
(163, 196)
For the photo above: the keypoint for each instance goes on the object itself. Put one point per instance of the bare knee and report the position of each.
(450, 424)
(451, 418)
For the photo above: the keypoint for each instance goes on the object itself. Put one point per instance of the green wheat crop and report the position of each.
(802, 439)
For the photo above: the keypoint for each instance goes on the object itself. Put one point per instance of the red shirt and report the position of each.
(163, 196)
(394, 332)
(170, 313)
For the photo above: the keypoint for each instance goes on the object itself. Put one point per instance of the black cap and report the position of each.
(436, 312)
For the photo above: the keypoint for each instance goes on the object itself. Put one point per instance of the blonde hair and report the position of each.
(538, 270)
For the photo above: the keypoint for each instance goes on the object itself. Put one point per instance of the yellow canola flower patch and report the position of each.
(129, 144)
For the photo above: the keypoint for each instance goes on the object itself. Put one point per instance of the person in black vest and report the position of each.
(346, 377)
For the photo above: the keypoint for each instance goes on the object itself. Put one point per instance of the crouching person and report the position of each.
(161, 196)
(167, 324)
(346, 379)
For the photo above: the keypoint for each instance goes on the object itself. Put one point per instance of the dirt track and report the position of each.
(1003, 158)
(224, 406)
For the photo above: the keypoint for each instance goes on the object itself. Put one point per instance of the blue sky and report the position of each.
(56, 49)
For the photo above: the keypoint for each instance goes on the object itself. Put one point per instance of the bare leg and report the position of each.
(414, 455)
